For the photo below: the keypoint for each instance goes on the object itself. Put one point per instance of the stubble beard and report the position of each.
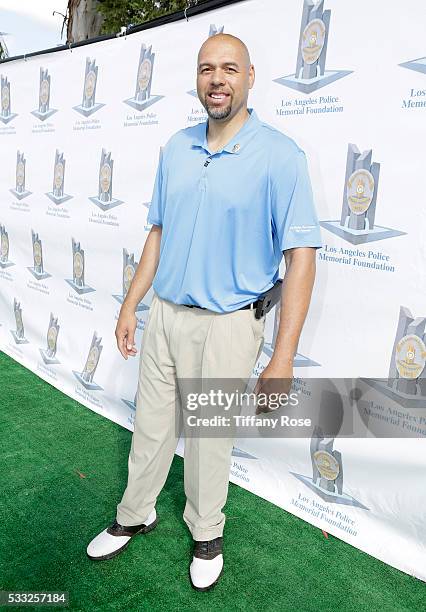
(218, 113)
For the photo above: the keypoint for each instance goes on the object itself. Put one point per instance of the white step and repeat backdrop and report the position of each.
(80, 133)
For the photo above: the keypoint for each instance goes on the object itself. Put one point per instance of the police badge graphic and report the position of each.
(104, 199)
(20, 191)
(406, 383)
(143, 97)
(419, 65)
(78, 269)
(300, 361)
(128, 272)
(57, 194)
(86, 376)
(357, 220)
(89, 105)
(4, 248)
(213, 30)
(19, 333)
(44, 111)
(327, 472)
(49, 353)
(6, 114)
(310, 73)
(38, 270)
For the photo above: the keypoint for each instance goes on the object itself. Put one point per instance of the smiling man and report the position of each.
(231, 195)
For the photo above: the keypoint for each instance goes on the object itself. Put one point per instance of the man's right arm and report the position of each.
(142, 281)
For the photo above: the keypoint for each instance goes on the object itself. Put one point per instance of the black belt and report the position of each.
(251, 306)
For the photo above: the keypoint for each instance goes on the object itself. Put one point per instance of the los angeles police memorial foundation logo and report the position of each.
(86, 376)
(406, 383)
(44, 111)
(213, 30)
(327, 472)
(49, 353)
(269, 347)
(89, 105)
(128, 272)
(143, 97)
(104, 200)
(78, 269)
(20, 191)
(18, 333)
(6, 114)
(57, 194)
(419, 65)
(37, 270)
(310, 73)
(4, 248)
(356, 223)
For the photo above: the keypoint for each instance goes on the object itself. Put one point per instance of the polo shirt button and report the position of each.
(236, 148)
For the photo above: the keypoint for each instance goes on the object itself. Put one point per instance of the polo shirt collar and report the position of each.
(236, 144)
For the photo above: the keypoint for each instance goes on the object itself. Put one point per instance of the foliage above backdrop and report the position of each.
(133, 12)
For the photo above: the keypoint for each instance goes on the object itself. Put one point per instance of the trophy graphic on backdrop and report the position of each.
(214, 29)
(419, 64)
(130, 403)
(38, 270)
(327, 472)
(77, 282)
(44, 112)
(20, 192)
(6, 114)
(57, 194)
(406, 383)
(19, 333)
(4, 248)
(86, 376)
(129, 269)
(49, 354)
(269, 347)
(143, 97)
(356, 223)
(104, 199)
(310, 73)
(89, 105)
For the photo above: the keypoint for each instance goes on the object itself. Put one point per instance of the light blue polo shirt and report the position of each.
(227, 217)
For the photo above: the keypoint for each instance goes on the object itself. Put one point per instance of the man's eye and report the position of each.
(229, 69)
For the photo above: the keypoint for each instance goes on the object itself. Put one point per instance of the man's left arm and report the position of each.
(295, 298)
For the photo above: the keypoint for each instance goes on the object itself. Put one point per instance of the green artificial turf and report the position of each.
(64, 469)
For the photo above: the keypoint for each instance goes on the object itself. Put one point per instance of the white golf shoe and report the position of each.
(114, 539)
(207, 564)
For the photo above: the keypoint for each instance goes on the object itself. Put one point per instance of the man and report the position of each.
(231, 195)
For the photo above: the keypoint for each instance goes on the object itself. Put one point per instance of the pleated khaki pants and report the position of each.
(185, 343)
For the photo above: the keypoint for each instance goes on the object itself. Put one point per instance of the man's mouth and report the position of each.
(217, 97)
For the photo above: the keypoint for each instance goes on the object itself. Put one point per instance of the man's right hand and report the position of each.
(125, 332)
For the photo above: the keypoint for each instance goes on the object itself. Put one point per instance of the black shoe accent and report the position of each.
(208, 549)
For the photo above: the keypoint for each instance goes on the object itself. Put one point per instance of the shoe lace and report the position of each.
(204, 547)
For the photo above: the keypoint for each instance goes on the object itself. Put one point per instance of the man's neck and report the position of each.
(219, 133)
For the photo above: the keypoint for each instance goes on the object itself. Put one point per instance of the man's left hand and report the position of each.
(275, 378)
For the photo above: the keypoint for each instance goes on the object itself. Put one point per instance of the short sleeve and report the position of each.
(294, 218)
(156, 208)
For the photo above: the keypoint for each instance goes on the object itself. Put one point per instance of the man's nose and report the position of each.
(217, 77)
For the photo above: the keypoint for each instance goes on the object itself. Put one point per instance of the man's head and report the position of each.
(224, 76)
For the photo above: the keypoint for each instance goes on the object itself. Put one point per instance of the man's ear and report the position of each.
(252, 76)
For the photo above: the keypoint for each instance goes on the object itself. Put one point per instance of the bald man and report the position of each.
(231, 195)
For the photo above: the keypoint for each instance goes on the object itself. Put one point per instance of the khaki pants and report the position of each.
(183, 343)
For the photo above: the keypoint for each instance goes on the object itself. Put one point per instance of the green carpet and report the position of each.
(65, 469)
